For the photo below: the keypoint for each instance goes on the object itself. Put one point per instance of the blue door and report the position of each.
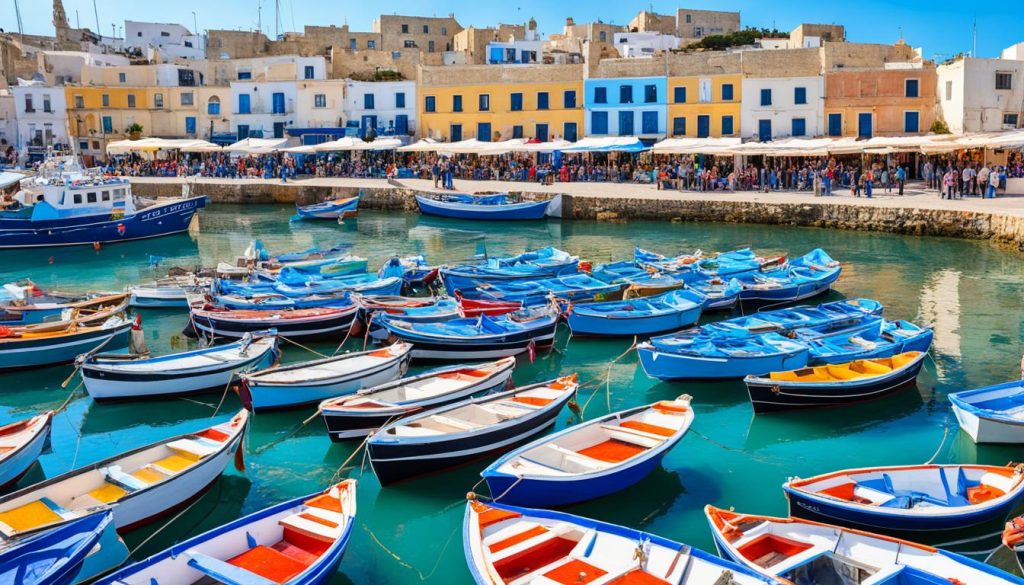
(835, 124)
(243, 103)
(569, 131)
(278, 129)
(455, 132)
(367, 123)
(190, 125)
(401, 125)
(764, 130)
(243, 131)
(864, 129)
(483, 132)
(626, 123)
(542, 132)
(278, 103)
(703, 126)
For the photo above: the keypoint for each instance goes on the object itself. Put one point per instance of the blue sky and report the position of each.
(941, 27)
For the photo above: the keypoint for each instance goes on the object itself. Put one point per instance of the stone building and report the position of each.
(426, 33)
(694, 25)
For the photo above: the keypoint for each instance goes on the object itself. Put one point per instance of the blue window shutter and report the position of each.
(679, 125)
(727, 125)
(679, 96)
(599, 122)
(430, 103)
(517, 102)
(766, 97)
(727, 95)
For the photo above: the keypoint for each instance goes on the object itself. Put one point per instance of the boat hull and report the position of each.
(154, 221)
(532, 210)
(988, 430)
(783, 396)
(674, 366)
(584, 324)
(920, 342)
(792, 293)
(16, 465)
(31, 353)
(332, 325)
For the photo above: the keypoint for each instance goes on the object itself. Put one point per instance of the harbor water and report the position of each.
(969, 292)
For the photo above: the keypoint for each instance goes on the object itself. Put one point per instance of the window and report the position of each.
(158, 100)
(569, 131)
(277, 102)
(689, 19)
(131, 100)
(625, 94)
(766, 97)
(704, 91)
(105, 100)
(426, 29)
(444, 30)
(243, 104)
(244, 75)
(28, 103)
(600, 95)
(800, 95)
(679, 125)
(602, 36)
(911, 122)
(569, 99)
(727, 126)
(122, 77)
(599, 122)
(320, 100)
(213, 106)
(79, 102)
(483, 132)
(371, 44)
(649, 122)
(679, 95)
(78, 198)
(949, 90)
(1004, 80)
(187, 98)
(430, 46)
(799, 127)
(1010, 119)
(105, 196)
(243, 131)
(835, 124)
(405, 29)
(118, 194)
(456, 103)
(164, 33)
(650, 94)
(912, 88)
(368, 101)
(540, 132)
(190, 124)
(626, 123)
(400, 99)
(430, 104)
(46, 103)
(90, 198)
(455, 132)
(542, 100)
(516, 102)
(517, 132)
(727, 95)
(484, 102)
(108, 125)
(409, 44)
(309, 71)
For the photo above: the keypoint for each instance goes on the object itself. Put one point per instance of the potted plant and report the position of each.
(134, 131)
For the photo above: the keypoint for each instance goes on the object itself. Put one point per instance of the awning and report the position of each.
(8, 178)
(610, 144)
(257, 145)
(155, 144)
(423, 145)
(694, 145)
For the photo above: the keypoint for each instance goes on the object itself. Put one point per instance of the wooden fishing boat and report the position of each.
(592, 459)
(60, 343)
(480, 338)
(298, 542)
(335, 209)
(311, 382)
(144, 483)
(914, 497)
(278, 302)
(719, 295)
(639, 316)
(994, 414)
(481, 208)
(290, 323)
(508, 544)
(807, 276)
(170, 292)
(1013, 539)
(413, 310)
(477, 307)
(573, 287)
(543, 263)
(792, 551)
(832, 385)
(723, 358)
(886, 340)
(53, 557)
(21, 444)
(698, 265)
(48, 312)
(369, 409)
(127, 377)
(460, 432)
(305, 286)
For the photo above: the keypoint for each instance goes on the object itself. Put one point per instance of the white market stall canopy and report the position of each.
(256, 145)
(155, 144)
(694, 145)
(8, 178)
(609, 144)
(349, 143)
(543, 146)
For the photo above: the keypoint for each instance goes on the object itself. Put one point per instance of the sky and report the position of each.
(941, 27)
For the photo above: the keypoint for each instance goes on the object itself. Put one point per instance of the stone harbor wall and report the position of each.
(1000, 228)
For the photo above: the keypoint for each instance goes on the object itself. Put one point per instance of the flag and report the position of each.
(531, 350)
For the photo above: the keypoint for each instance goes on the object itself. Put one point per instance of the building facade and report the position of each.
(781, 107)
(981, 95)
(705, 106)
(632, 45)
(386, 107)
(428, 34)
(896, 100)
(627, 106)
(171, 40)
(42, 118)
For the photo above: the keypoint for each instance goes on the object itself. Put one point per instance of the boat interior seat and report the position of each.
(514, 541)
(641, 439)
(312, 524)
(508, 409)
(194, 449)
(172, 464)
(33, 515)
(586, 462)
(845, 372)
(535, 401)
(513, 535)
(230, 573)
(457, 424)
(647, 428)
(125, 481)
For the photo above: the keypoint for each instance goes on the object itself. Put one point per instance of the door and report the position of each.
(190, 125)
(569, 131)
(703, 126)
(278, 129)
(542, 132)
(835, 124)
(278, 103)
(864, 129)
(764, 130)
(401, 125)
(243, 131)
(455, 132)
(626, 123)
(483, 132)
(366, 123)
(243, 103)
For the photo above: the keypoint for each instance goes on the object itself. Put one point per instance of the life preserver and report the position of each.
(1013, 533)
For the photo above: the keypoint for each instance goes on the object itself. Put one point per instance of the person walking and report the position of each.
(993, 183)
(435, 171)
(901, 178)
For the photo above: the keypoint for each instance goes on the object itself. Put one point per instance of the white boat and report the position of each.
(170, 292)
(311, 382)
(139, 485)
(801, 551)
(21, 443)
(364, 412)
(125, 376)
(994, 414)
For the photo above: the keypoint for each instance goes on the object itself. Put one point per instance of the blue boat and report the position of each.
(544, 263)
(367, 284)
(312, 253)
(994, 414)
(269, 301)
(484, 337)
(65, 205)
(334, 209)
(573, 288)
(298, 542)
(482, 208)
(413, 310)
(509, 544)
(909, 498)
(718, 294)
(44, 345)
(808, 276)
(592, 459)
(414, 271)
(707, 359)
(697, 266)
(670, 311)
(886, 340)
(53, 557)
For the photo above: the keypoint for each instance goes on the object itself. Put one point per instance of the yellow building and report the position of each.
(493, 103)
(704, 106)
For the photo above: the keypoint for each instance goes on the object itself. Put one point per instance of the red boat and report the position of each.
(475, 308)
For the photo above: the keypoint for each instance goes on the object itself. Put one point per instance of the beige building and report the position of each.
(426, 33)
(472, 42)
(694, 25)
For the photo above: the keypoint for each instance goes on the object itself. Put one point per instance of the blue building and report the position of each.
(626, 106)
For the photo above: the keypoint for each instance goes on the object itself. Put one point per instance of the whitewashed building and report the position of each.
(172, 40)
(982, 95)
(781, 107)
(319, 111)
(389, 107)
(8, 121)
(632, 45)
(265, 92)
(515, 52)
(41, 112)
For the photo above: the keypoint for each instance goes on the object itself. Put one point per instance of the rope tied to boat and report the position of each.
(945, 435)
(299, 345)
(419, 573)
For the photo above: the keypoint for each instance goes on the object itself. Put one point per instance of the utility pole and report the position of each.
(17, 12)
(259, 15)
(277, 19)
(974, 42)
(96, 13)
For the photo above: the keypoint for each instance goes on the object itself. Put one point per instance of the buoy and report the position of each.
(51, 259)
(96, 246)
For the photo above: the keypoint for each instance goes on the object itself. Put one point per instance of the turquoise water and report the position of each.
(970, 292)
